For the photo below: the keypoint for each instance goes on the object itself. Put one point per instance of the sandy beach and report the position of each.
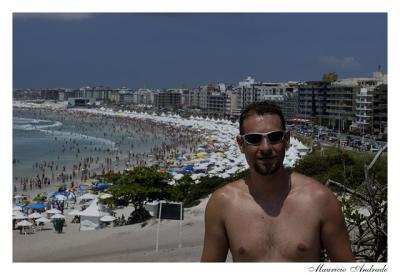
(130, 243)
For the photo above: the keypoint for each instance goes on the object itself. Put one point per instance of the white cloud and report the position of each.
(346, 63)
(55, 16)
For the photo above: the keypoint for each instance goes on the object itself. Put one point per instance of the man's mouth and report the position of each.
(265, 158)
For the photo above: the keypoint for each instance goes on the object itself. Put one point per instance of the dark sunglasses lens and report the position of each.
(275, 137)
(253, 138)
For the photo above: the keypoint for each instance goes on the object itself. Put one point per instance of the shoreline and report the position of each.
(119, 162)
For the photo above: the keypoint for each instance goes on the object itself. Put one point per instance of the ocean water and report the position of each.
(63, 140)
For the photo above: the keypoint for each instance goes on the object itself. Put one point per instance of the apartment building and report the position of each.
(345, 104)
(144, 97)
(170, 100)
(289, 104)
(27, 94)
(364, 110)
(251, 91)
(51, 93)
(125, 96)
(99, 93)
(194, 98)
(215, 100)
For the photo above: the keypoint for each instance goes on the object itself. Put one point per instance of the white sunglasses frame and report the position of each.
(265, 135)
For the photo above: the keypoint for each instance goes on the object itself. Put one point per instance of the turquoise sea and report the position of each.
(43, 138)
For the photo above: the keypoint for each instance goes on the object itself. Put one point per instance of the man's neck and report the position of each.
(269, 186)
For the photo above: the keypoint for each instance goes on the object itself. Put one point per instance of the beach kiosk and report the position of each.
(90, 217)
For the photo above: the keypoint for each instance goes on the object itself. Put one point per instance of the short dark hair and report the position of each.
(261, 108)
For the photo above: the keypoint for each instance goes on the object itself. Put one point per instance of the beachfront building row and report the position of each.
(356, 104)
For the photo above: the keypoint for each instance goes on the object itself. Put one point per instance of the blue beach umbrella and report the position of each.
(100, 186)
(55, 194)
(35, 206)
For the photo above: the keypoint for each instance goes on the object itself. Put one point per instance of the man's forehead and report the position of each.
(255, 122)
(267, 118)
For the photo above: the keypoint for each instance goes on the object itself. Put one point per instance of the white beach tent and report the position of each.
(90, 217)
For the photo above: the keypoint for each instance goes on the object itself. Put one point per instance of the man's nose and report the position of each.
(264, 145)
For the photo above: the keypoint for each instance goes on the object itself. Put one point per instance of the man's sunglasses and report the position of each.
(273, 137)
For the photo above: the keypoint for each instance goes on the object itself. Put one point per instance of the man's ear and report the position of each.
(240, 142)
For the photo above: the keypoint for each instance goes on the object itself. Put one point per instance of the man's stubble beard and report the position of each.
(267, 170)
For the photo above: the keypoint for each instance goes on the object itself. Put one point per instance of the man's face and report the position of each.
(264, 158)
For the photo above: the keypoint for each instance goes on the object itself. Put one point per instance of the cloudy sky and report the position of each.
(191, 49)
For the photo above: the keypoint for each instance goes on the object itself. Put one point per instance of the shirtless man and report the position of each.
(273, 214)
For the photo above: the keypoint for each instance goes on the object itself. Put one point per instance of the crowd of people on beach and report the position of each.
(33, 183)
(125, 141)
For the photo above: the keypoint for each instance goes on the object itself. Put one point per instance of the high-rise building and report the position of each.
(170, 100)
(345, 104)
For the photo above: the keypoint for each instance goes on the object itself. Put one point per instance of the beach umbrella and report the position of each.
(24, 223)
(57, 216)
(107, 218)
(17, 208)
(102, 185)
(60, 197)
(88, 196)
(53, 211)
(41, 221)
(35, 215)
(178, 176)
(35, 206)
(105, 196)
(19, 216)
(39, 198)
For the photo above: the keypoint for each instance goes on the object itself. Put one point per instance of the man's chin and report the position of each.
(266, 170)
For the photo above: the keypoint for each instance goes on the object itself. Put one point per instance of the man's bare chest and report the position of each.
(290, 233)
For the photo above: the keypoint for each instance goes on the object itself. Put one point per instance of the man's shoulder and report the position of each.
(222, 199)
(311, 187)
(314, 194)
(229, 191)
(231, 188)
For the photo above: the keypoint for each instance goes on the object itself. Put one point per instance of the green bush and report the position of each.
(342, 166)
